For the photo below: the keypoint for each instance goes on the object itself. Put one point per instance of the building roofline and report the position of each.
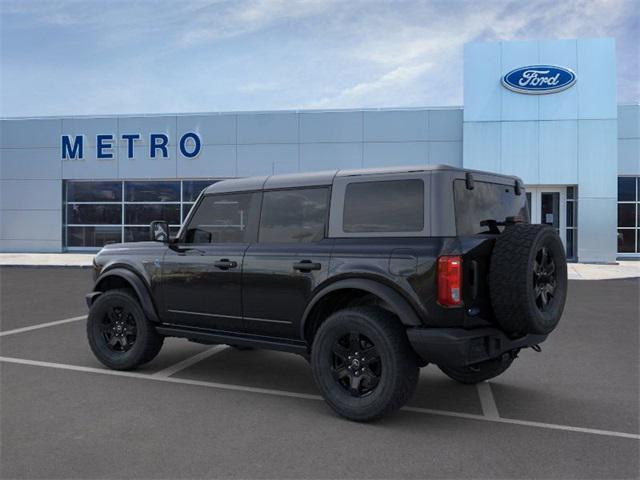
(234, 112)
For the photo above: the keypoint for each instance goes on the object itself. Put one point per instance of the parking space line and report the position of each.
(487, 402)
(41, 325)
(187, 362)
(284, 393)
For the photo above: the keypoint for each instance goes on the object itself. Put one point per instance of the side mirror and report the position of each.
(159, 231)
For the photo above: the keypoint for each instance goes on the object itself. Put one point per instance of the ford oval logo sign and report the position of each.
(539, 79)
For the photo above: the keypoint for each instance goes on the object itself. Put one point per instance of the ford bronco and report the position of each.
(369, 274)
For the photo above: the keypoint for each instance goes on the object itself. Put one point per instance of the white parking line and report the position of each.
(283, 393)
(187, 362)
(488, 403)
(41, 325)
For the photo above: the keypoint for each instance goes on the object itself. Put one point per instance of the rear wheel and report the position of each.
(480, 371)
(363, 364)
(119, 333)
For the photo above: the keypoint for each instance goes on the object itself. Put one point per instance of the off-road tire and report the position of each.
(513, 279)
(480, 371)
(398, 363)
(147, 341)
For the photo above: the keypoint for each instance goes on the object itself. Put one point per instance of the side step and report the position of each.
(233, 338)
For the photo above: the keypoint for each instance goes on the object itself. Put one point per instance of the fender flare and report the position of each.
(142, 291)
(397, 302)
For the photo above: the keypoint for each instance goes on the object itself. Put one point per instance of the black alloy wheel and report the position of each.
(119, 333)
(119, 329)
(363, 363)
(544, 278)
(356, 364)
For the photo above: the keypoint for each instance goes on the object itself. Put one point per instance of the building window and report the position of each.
(98, 213)
(628, 215)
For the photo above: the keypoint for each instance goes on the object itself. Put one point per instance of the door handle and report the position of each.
(306, 266)
(225, 264)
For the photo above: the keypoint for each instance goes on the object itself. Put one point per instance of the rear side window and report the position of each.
(293, 216)
(385, 206)
(487, 201)
(228, 218)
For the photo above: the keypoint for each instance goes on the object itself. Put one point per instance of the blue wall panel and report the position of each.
(559, 152)
(482, 89)
(519, 151)
(396, 126)
(597, 78)
(381, 154)
(267, 128)
(328, 156)
(481, 146)
(261, 159)
(330, 127)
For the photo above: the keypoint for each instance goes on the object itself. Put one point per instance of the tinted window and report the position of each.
(224, 219)
(293, 216)
(152, 191)
(94, 191)
(145, 214)
(487, 201)
(192, 188)
(93, 236)
(84, 214)
(388, 206)
(626, 189)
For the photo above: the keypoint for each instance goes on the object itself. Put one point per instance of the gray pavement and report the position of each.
(64, 416)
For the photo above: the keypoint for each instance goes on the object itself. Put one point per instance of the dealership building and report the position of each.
(543, 110)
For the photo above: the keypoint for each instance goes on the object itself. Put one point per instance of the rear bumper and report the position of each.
(456, 347)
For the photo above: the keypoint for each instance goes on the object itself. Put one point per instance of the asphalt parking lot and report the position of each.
(198, 411)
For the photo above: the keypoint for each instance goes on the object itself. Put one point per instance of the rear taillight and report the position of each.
(450, 281)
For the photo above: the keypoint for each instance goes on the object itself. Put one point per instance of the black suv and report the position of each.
(369, 274)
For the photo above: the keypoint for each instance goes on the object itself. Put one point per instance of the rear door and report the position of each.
(289, 260)
(202, 272)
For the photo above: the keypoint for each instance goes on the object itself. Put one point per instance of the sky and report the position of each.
(97, 57)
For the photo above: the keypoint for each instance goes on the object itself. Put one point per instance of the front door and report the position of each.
(547, 205)
(202, 272)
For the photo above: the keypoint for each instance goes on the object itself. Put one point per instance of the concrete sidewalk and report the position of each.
(576, 271)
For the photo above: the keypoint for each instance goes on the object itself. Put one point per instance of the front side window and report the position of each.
(225, 218)
(384, 206)
(294, 216)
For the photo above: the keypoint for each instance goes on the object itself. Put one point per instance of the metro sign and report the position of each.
(539, 79)
(72, 146)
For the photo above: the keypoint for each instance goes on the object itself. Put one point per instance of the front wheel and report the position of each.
(363, 363)
(119, 333)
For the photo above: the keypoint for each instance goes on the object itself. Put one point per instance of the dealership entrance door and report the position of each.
(555, 206)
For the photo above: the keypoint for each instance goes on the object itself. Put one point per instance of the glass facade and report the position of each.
(628, 215)
(102, 212)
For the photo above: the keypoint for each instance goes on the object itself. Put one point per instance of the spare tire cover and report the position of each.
(528, 279)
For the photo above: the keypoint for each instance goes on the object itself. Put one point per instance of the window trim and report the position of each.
(325, 230)
(336, 208)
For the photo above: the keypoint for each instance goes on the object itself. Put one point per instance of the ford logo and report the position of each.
(539, 79)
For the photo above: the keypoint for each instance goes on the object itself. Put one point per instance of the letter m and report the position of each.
(74, 151)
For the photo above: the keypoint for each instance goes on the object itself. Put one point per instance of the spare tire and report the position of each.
(528, 279)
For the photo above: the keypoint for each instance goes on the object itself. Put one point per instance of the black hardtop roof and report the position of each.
(312, 179)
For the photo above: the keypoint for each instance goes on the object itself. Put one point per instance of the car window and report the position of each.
(384, 206)
(224, 218)
(487, 201)
(293, 216)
